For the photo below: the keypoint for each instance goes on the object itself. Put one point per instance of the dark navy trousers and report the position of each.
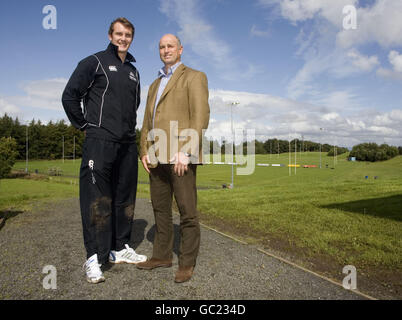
(108, 187)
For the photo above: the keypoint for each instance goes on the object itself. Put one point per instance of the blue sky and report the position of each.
(291, 64)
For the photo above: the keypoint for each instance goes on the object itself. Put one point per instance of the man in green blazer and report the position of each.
(176, 114)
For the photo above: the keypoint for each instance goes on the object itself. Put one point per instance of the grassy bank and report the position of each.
(334, 211)
(22, 194)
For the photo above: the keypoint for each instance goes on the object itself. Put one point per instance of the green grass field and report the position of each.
(334, 211)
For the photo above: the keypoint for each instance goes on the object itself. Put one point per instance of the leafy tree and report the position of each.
(275, 146)
(259, 147)
(373, 152)
(339, 151)
(6, 126)
(44, 141)
(8, 154)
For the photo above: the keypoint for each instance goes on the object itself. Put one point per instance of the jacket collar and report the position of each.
(175, 77)
(171, 70)
(114, 49)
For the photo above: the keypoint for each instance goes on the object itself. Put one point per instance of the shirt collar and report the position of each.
(171, 70)
(114, 49)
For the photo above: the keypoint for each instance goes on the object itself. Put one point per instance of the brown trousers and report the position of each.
(164, 183)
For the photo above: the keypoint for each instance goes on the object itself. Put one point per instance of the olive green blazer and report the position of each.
(182, 105)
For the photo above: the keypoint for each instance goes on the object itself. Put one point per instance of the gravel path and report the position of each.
(226, 269)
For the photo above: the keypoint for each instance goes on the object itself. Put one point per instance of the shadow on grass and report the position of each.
(4, 215)
(386, 207)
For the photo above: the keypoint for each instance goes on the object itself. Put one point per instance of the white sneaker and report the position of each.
(93, 271)
(127, 255)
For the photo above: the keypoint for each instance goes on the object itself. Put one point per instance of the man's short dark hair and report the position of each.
(124, 22)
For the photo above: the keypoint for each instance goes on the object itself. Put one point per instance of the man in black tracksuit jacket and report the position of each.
(108, 85)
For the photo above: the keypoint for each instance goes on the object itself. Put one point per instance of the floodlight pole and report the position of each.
(295, 155)
(74, 150)
(336, 155)
(270, 150)
(63, 148)
(320, 147)
(290, 156)
(278, 148)
(231, 121)
(26, 149)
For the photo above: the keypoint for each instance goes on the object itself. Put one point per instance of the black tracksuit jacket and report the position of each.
(110, 92)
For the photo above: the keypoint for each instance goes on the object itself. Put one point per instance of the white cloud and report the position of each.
(392, 118)
(362, 62)
(7, 107)
(42, 94)
(42, 100)
(51, 89)
(317, 45)
(396, 60)
(270, 116)
(379, 23)
(389, 74)
(338, 101)
(195, 31)
(251, 104)
(328, 49)
(259, 33)
(383, 131)
(199, 35)
(339, 113)
(302, 10)
(331, 116)
(302, 81)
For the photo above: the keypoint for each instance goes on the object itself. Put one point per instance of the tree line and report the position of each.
(277, 146)
(57, 139)
(44, 141)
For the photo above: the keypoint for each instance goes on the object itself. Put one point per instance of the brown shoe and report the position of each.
(184, 274)
(154, 263)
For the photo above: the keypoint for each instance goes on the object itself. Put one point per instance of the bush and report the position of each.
(339, 151)
(373, 152)
(8, 154)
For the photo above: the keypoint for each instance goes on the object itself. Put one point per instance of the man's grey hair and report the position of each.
(177, 38)
(178, 41)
